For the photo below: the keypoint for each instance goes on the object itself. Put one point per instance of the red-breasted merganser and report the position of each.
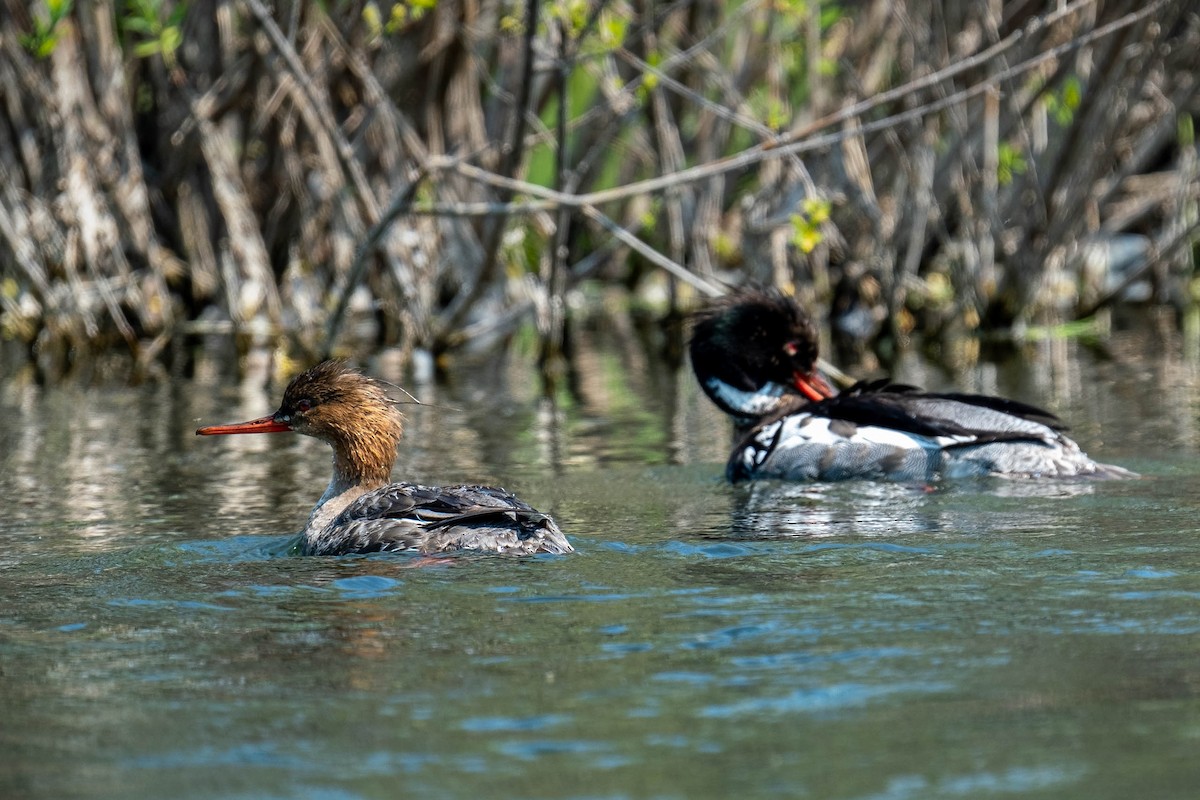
(362, 511)
(755, 355)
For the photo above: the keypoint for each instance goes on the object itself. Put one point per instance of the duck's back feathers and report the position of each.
(909, 409)
(426, 519)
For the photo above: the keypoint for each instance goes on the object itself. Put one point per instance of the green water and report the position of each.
(851, 641)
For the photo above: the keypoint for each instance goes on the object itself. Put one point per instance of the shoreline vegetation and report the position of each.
(453, 170)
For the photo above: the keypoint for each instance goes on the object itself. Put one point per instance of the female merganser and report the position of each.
(755, 354)
(361, 511)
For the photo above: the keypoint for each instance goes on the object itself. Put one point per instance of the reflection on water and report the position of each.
(812, 510)
(157, 637)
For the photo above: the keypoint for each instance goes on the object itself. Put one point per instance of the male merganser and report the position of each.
(361, 511)
(755, 354)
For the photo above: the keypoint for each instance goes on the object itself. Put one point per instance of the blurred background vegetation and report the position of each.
(434, 175)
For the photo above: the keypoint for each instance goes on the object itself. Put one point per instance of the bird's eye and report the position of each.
(303, 405)
(791, 348)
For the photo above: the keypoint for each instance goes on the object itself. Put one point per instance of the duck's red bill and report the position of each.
(262, 425)
(813, 386)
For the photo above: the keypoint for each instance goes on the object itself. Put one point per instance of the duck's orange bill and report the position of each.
(813, 386)
(262, 425)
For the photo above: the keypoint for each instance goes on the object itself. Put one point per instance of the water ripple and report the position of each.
(1014, 780)
(362, 587)
(824, 698)
(711, 549)
(513, 724)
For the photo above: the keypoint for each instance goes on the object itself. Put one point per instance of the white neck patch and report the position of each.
(758, 403)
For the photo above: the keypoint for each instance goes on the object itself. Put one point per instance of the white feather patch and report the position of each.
(759, 403)
(800, 430)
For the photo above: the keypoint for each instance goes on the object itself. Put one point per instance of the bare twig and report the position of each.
(510, 158)
(770, 150)
(400, 205)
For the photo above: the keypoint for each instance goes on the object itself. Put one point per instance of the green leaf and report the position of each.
(170, 40)
(817, 209)
(373, 20)
(146, 49)
(808, 240)
(1186, 130)
(612, 29)
(512, 24)
(397, 19)
(139, 25)
(58, 9)
(1072, 93)
(1010, 162)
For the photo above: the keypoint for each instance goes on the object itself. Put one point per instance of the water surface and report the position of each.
(981, 639)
